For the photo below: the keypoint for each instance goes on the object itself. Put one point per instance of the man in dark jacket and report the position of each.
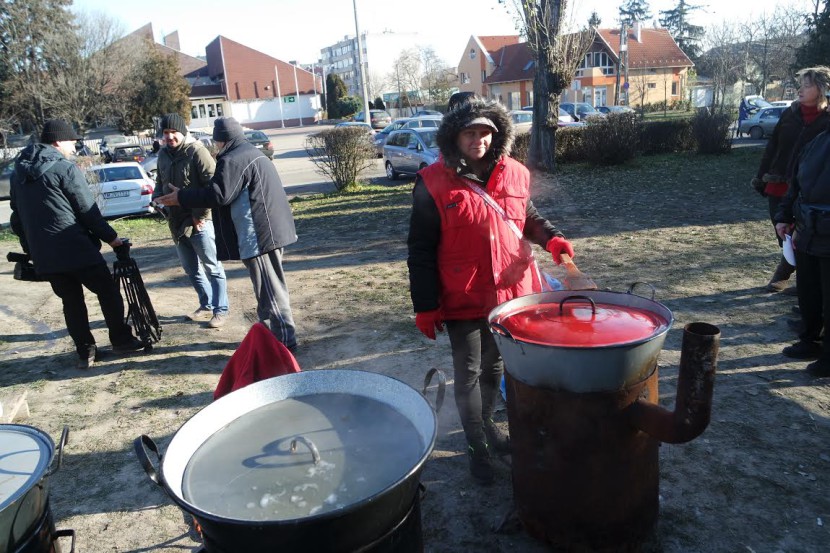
(469, 250)
(184, 162)
(60, 227)
(253, 221)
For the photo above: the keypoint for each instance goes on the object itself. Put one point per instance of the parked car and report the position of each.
(409, 151)
(383, 134)
(614, 109)
(6, 169)
(109, 142)
(522, 120)
(761, 123)
(128, 152)
(121, 188)
(426, 121)
(781, 103)
(366, 126)
(755, 103)
(580, 110)
(150, 165)
(427, 113)
(261, 141)
(378, 118)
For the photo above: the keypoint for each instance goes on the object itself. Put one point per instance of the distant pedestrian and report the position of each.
(184, 163)
(253, 221)
(61, 228)
(743, 115)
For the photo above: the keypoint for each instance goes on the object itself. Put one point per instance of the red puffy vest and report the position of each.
(481, 261)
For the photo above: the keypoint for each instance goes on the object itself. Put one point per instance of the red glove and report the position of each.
(557, 246)
(428, 322)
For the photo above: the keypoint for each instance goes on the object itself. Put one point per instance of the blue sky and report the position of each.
(297, 29)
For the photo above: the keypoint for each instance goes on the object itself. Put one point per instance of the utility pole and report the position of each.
(367, 116)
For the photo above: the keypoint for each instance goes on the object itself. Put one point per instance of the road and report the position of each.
(298, 173)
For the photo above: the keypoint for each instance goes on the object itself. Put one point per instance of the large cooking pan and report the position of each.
(595, 341)
(325, 460)
(28, 458)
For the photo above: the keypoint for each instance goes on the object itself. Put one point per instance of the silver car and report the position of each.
(761, 123)
(409, 150)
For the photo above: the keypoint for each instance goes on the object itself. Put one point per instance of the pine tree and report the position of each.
(335, 89)
(594, 20)
(634, 10)
(816, 49)
(681, 29)
(155, 88)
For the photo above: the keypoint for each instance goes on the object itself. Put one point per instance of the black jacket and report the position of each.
(787, 140)
(54, 214)
(251, 213)
(807, 202)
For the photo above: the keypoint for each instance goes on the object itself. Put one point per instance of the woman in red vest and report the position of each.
(469, 250)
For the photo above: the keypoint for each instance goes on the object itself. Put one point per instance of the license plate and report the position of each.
(118, 194)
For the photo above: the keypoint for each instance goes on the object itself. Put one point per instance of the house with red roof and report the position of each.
(478, 63)
(657, 71)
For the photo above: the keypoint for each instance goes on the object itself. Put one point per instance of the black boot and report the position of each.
(778, 282)
(498, 440)
(481, 465)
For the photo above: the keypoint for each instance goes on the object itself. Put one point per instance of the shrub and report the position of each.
(613, 139)
(521, 147)
(378, 104)
(570, 145)
(341, 154)
(348, 106)
(666, 136)
(711, 132)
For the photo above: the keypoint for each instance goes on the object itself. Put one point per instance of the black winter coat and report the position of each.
(807, 202)
(787, 140)
(251, 213)
(54, 214)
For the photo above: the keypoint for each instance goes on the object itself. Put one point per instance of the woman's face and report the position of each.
(474, 142)
(808, 92)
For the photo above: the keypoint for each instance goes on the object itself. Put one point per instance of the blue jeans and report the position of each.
(197, 254)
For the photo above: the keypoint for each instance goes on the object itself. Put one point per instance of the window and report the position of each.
(194, 112)
(472, 53)
(529, 97)
(211, 110)
(483, 75)
(220, 112)
(652, 86)
(465, 78)
(674, 88)
(201, 111)
(514, 100)
(413, 142)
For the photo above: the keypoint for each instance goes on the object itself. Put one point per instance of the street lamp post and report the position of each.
(367, 117)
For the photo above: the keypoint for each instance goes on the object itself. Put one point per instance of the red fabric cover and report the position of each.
(259, 356)
(481, 262)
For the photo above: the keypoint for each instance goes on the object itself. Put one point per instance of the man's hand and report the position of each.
(428, 322)
(169, 199)
(782, 229)
(198, 224)
(115, 243)
(557, 246)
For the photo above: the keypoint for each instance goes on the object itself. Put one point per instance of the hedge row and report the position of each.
(618, 138)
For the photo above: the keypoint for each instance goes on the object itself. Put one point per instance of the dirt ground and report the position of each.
(757, 480)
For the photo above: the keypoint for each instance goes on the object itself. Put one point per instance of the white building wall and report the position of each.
(255, 111)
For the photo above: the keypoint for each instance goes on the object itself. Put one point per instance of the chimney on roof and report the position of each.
(637, 31)
(172, 41)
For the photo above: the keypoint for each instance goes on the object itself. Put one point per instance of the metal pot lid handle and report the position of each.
(61, 445)
(141, 445)
(315, 453)
(578, 297)
(498, 328)
(637, 283)
(442, 386)
(66, 534)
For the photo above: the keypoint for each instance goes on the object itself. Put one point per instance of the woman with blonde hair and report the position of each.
(798, 125)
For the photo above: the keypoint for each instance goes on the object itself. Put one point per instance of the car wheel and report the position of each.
(756, 133)
(391, 174)
(423, 166)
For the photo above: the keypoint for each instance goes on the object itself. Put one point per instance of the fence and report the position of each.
(93, 144)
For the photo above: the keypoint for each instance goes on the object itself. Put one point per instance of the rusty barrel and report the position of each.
(583, 477)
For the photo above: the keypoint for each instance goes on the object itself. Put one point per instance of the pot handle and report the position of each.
(442, 386)
(315, 453)
(66, 534)
(61, 445)
(498, 328)
(578, 297)
(635, 284)
(141, 445)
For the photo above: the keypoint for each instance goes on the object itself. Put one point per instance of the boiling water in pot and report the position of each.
(246, 470)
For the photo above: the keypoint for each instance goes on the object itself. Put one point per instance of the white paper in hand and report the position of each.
(787, 250)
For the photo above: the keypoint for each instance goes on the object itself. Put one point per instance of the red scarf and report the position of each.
(809, 113)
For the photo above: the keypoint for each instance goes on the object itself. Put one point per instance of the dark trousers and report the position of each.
(98, 280)
(813, 284)
(271, 291)
(477, 368)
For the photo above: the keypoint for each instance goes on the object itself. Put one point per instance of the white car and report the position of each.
(121, 188)
(781, 103)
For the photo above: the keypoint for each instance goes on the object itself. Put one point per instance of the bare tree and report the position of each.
(406, 78)
(771, 41)
(557, 57)
(723, 61)
(438, 77)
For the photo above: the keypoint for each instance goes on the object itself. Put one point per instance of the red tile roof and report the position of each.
(656, 48)
(513, 63)
(494, 43)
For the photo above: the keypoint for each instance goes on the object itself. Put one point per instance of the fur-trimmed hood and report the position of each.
(455, 120)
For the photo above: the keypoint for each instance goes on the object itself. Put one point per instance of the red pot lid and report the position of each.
(576, 323)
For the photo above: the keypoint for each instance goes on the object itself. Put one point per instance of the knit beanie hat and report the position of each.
(56, 130)
(226, 129)
(174, 121)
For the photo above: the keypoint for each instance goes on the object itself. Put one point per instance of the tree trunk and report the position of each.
(542, 154)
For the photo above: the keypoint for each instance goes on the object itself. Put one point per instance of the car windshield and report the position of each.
(522, 117)
(132, 151)
(429, 138)
(109, 174)
(256, 135)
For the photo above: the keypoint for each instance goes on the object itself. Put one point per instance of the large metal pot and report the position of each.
(580, 368)
(352, 526)
(27, 460)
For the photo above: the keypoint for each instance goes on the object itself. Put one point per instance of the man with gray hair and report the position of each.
(253, 221)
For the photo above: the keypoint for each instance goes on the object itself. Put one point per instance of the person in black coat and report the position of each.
(253, 221)
(61, 228)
